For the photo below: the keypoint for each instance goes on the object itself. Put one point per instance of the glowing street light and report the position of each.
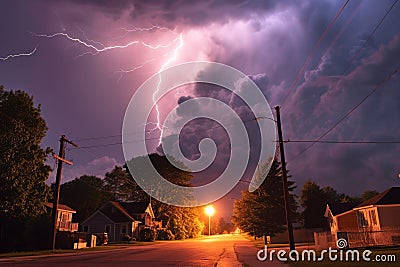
(209, 210)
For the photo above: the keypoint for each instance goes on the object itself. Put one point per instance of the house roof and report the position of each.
(135, 207)
(390, 196)
(60, 207)
(120, 212)
(339, 208)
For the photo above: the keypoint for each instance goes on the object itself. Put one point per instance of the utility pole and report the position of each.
(284, 178)
(60, 157)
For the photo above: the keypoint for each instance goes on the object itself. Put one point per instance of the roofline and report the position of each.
(333, 215)
(344, 213)
(58, 207)
(378, 206)
(123, 210)
(94, 213)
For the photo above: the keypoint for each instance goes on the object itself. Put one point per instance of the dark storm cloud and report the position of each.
(268, 39)
(198, 129)
(183, 13)
(324, 97)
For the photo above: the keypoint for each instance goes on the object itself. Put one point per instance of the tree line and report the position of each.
(24, 219)
(262, 212)
(86, 194)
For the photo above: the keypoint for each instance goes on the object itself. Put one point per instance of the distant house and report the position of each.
(341, 217)
(374, 222)
(119, 219)
(381, 212)
(64, 218)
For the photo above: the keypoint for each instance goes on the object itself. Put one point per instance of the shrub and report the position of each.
(147, 235)
(163, 234)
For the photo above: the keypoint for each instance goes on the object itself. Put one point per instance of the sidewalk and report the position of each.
(247, 254)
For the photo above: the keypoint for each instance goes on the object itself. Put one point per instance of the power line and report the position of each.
(314, 48)
(157, 138)
(348, 113)
(342, 142)
(291, 88)
(346, 69)
(140, 132)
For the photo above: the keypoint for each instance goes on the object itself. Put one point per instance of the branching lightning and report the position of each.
(102, 48)
(137, 29)
(169, 61)
(18, 55)
(96, 47)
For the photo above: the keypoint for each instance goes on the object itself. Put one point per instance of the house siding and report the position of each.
(97, 224)
(389, 217)
(346, 222)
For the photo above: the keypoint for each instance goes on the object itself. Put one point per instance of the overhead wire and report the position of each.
(341, 142)
(347, 114)
(346, 69)
(311, 54)
(157, 138)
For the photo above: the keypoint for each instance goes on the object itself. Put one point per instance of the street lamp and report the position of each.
(209, 210)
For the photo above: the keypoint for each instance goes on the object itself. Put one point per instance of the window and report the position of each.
(65, 217)
(123, 229)
(86, 228)
(113, 210)
(372, 214)
(362, 222)
(107, 229)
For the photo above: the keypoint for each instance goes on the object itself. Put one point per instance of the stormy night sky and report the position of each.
(83, 60)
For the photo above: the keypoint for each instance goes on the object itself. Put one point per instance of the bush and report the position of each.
(126, 238)
(163, 234)
(147, 235)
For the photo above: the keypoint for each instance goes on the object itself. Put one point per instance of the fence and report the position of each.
(67, 226)
(358, 239)
(389, 237)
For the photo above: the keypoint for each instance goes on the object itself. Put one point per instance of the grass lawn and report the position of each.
(63, 251)
(259, 243)
(326, 262)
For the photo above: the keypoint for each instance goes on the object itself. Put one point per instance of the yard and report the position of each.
(385, 257)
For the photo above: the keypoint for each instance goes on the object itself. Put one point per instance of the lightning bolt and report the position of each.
(100, 46)
(169, 61)
(138, 29)
(18, 55)
(97, 47)
(124, 71)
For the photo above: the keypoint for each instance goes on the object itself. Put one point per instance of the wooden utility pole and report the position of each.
(60, 157)
(284, 178)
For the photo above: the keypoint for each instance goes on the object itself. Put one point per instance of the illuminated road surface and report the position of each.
(221, 250)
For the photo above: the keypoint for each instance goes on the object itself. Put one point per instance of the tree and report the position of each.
(85, 195)
(182, 222)
(23, 171)
(367, 194)
(124, 188)
(262, 212)
(313, 200)
(23, 191)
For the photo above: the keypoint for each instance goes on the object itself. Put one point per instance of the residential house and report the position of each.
(119, 220)
(374, 222)
(381, 212)
(341, 217)
(64, 218)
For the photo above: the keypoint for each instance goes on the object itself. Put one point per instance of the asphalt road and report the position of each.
(221, 250)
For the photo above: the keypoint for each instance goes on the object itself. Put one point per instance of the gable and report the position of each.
(388, 197)
(116, 212)
(339, 208)
(95, 218)
(60, 207)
